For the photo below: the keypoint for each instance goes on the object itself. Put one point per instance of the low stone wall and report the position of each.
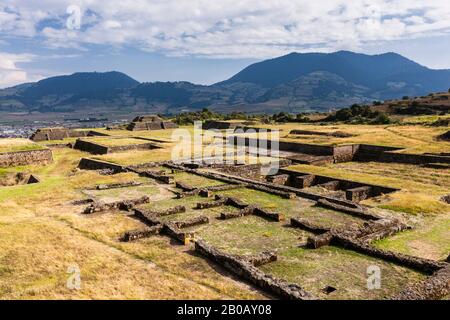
(117, 185)
(125, 205)
(162, 177)
(345, 209)
(435, 287)
(249, 272)
(141, 233)
(262, 258)
(191, 222)
(388, 154)
(355, 191)
(306, 225)
(24, 158)
(167, 212)
(90, 147)
(420, 264)
(95, 148)
(91, 164)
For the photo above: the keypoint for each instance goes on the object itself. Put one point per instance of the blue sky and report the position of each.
(205, 41)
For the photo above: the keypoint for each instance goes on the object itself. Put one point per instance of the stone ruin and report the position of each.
(17, 178)
(336, 134)
(23, 158)
(150, 122)
(49, 134)
(357, 238)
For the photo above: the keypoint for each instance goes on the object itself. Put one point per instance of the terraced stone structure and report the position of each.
(22, 158)
(49, 134)
(150, 122)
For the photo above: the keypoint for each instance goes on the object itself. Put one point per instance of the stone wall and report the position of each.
(435, 287)
(249, 272)
(23, 158)
(95, 148)
(91, 164)
(355, 191)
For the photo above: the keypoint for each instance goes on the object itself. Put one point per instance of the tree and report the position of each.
(343, 114)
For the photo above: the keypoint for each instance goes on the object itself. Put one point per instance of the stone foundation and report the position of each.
(24, 158)
(141, 233)
(247, 271)
(191, 222)
(95, 148)
(435, 287)
(125, 205)
(91, 164)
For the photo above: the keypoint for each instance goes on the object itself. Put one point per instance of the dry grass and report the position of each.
(14, 145)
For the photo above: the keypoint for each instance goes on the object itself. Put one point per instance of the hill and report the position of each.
(292, 83)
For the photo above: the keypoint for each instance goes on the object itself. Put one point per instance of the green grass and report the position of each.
(16, 145)
(314, 269)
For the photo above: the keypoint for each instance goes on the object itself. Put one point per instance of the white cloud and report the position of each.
(10, 73)
(227, 28)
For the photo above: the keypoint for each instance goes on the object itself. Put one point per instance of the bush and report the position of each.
(382, 118)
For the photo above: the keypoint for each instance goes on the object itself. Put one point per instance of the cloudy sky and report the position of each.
(205, 41)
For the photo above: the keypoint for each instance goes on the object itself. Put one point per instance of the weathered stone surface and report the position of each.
(183, 186)
(358, 194)
(433, 288)
(275, 216)
(174, 232)
(82, 202)
(159, 176)
(420, 264)
(167, 212)
(304, 181)
(262, 258)
(280, 179)
(125, 205)
(150, 122)
(211, 204)
(331, 185)
(305, 224)
(283, 194)
(349, 210)
(117, 185)
(91, 164)
(23, 158)
(248, 210)
(250, 273)
(192, 222)
(318, 241)
(141, 233)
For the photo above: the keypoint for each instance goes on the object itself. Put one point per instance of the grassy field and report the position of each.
(42, 235)
(15, 145)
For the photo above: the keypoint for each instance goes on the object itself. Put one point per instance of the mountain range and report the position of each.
(297, 82)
